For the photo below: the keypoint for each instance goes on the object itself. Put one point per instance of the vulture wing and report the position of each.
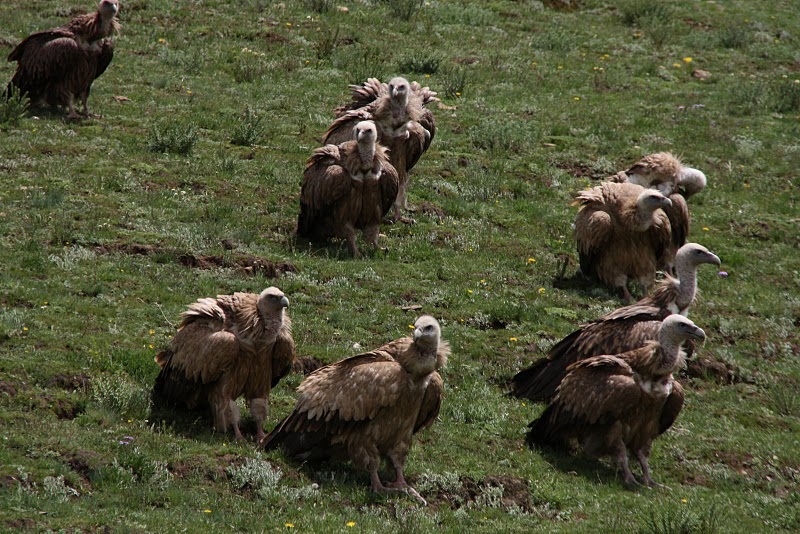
(325, 181)
(390, 183)
(283, 352)
(594, 227)
(104, 57)
(431, 403)
(43, 58)
(341, 130)
(336, 396)
(203, 349)
(678, 215)
(363, 95)
(672, 408)
(595, 391)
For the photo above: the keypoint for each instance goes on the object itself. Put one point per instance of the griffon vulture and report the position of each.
(616, 405)
(346, 187)
(226, 347)
(367, 407)
(56, 66)
(622, 233)
(665, 172)
(624, 329)
(405, 126)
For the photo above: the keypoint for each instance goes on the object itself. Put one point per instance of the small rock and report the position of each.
(701, 74)
(342, 9)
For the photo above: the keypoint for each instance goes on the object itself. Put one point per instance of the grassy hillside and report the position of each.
(188, 187)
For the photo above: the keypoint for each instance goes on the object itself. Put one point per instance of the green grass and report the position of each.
(110, 227)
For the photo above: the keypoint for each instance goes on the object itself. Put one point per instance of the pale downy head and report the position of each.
(399, 89)
(691, 255)
(271, 300)
(650, 200)
(691, 181)
(108, 8)
(676, 329)
(365, 133)
(427, 332)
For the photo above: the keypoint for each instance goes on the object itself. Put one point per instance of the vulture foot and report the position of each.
(73, 116)
(406, 220)
(405, 488)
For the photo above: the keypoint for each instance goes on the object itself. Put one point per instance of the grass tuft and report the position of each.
(249, 130)
(13, 107)
(173, 138)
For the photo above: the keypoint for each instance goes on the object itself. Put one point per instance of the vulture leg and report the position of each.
(259, 409)
(71, 107)
(647, 479)
(400, 484)
(371, 235)
(350, 235)
(621, 456)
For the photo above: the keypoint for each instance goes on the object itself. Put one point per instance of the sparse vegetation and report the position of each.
(187, 187)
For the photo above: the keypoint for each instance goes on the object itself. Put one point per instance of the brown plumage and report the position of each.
(347, 187)
(616, 405)
(367, 407)
(664, 172)
(57, 66)
(622, 233)
(621, 330)
(227, 347)
(405, 126)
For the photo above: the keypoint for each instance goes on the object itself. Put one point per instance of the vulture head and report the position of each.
(647, 203)
(365, 133)
(427, 339)
(108, 8)
(691, 181)
(678, 328)
(399, 89)
(691, 255)
(271, 300)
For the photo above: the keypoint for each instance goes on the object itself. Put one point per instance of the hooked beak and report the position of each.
(697, 334)
(284, 302)
(715, 259)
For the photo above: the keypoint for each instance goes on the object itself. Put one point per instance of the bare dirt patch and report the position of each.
(516, 493)
(79, 382)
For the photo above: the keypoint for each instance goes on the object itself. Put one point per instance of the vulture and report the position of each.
(616, 405)
(367, 407)
(226, 347)
(57, 66)
(347, 186)
(405, 126)
(665, 172)
(622, 233)
(621, 330)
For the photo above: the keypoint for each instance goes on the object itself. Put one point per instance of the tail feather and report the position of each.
(540, 381)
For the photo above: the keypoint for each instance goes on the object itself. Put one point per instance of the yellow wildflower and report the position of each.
(512, 339)
(705, 228)
(351, 523)
(531, 260)
(676, 65)
(687, 59)
(288, 525)
(541, 290)
(468, 291)
(207, 511)
(152, 331)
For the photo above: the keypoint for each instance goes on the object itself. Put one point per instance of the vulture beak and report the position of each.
(417, 334)
(284, 302)
(697, 334)
(714, 259)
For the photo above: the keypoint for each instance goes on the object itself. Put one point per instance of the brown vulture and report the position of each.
(405, 126)
(54, 67)
(227, 347)
(347, 187)
(367, 407)
(624, 329)
(616, 405)
(622, 233)
(665, 172)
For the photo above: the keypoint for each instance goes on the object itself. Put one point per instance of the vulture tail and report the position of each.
(540, 381)
(542, 432)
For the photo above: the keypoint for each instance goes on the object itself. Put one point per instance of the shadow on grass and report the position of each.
(578, 464)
